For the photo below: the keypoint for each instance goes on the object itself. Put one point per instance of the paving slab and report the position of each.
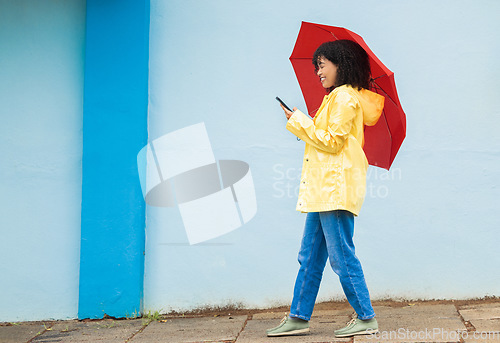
(480, 312)
(22, 332)
(186, 330)
(482, 337)
(419, 323)
(484, 317)
(269, 315)
(316, 314)
(480, 305)
(434, 311)
(322, 328)
(329, 313)
(486, 325)
(109, 331)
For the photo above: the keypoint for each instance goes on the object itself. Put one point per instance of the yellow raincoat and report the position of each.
(334, 167)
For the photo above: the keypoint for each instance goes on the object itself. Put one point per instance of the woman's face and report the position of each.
(327, 72)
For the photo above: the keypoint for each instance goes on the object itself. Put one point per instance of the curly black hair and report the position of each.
(353, 66)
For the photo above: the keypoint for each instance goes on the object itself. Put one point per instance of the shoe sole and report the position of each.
(366, 332)
(288, 333)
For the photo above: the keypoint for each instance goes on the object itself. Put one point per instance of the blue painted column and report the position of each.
(114, 130)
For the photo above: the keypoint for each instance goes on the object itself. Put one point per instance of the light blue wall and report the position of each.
(428, 229)
(41, 89)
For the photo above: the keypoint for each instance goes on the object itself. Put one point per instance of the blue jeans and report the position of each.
(329, 235)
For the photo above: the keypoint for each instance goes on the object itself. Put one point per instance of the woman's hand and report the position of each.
(288, 113)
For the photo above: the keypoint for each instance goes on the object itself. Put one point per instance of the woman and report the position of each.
(333, 185)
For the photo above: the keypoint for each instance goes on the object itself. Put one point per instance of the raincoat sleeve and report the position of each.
(341, 113)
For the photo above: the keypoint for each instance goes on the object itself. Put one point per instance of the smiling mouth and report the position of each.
(322, 79)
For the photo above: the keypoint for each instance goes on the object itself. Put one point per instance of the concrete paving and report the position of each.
(485, 318)
(180, 330)
(112, 331)
(418, 322)
(20, 332)
(321, 328)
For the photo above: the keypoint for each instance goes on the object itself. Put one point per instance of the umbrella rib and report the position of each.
(390, 133)
(383, 112)
(377, 87)
(387, 124)
(322, 28)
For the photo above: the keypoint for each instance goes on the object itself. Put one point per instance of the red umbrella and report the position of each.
(382, 141)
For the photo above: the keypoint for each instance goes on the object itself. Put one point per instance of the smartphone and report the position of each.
(284, 105)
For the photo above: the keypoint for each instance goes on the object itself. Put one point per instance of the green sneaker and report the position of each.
(358, 327)
(289, 326)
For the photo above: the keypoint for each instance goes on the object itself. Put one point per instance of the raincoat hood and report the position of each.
(372, 105)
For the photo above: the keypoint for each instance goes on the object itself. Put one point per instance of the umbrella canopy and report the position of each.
(383, 140)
